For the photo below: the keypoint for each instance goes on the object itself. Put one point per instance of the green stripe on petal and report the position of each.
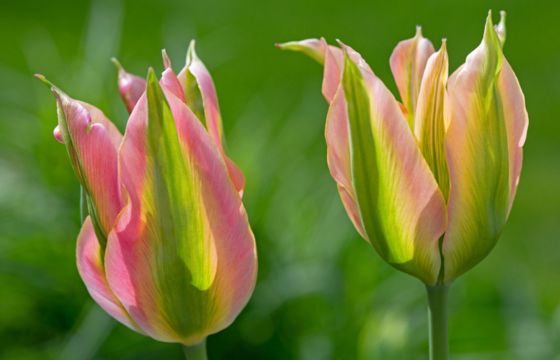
(363, 154)
(401, 207)
(174, 196)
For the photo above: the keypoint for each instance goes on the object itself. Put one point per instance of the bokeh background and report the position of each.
(322, 292)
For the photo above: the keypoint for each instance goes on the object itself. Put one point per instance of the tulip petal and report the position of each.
(201, 98)
(170, 82)
(338, 157)
(408, 62)
(131, 87)
(334, 63)
(165, 59)
(90, 267)
(336, 128)
(92, 142)
(314, 48)
(182, 257)
(487, 124)
(429, 117)
(517, 123)
(201, 94)
(401, 206)
(515, 113)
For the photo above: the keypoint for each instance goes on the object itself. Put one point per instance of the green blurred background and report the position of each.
(322, 292)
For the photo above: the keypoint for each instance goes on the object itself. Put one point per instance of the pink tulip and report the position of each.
(166, 248)
(430, 181)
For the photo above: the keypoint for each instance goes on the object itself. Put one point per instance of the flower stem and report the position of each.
(437, 318)
(196, 352)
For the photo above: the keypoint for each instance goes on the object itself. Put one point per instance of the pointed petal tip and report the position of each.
(191, 52)
(57, 133)
(490, 32)
(500, 27)
(489, 22)
(41, 77)
(165, 58)
(58, 94)
(151, 74)
(346, 50)
(418, 31)
(293, 45)
(152, 84)
(44, 80)
(342, 45)
(117, 64)
(312, 47)
(131, 87)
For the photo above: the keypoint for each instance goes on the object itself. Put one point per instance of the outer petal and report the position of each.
(90, 267)
(517, 122)
(338, 157)
(429, 124)
(92, 142)
(201, 97)
(401, 206)
(169, 79)
(408, 62)
(515, 113)
(336, 129)
(487, 127)
(182, 257)
(131, 86)
(331, 59)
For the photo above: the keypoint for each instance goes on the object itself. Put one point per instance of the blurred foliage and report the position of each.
(322, 293)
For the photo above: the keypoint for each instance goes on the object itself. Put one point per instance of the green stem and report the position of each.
(196, 352)
(437, 317)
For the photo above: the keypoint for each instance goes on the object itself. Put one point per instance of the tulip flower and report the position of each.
(166, 248)
(428, 181)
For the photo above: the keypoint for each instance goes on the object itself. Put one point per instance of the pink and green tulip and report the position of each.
(428, 181)
(166, 249)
